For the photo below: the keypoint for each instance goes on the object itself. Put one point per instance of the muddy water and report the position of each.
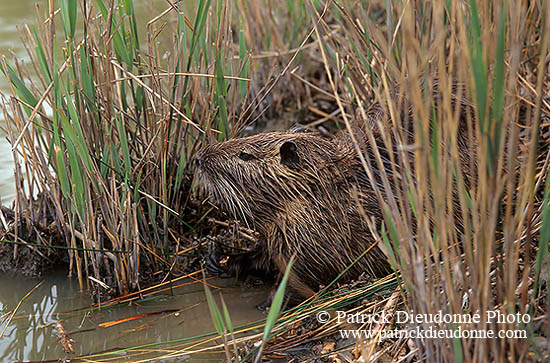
(32, 335)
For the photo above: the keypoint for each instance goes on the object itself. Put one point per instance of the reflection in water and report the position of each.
(28, 334)
(32, 335)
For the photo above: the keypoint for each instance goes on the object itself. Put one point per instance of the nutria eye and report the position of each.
(246, 157)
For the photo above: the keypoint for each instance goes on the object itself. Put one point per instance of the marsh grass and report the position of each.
(104, 130)
(463, 228)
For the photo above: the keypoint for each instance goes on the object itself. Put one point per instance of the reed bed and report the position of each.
(104, 130)
(465, 204)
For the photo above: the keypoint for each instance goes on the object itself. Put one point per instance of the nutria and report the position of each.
(306, 195)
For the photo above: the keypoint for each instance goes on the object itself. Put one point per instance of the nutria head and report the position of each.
(254, 177)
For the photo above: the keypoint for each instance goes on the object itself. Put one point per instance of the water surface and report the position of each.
(32, 334)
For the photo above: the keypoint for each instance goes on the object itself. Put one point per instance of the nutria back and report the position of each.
(306, 196)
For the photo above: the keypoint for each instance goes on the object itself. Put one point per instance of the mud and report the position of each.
(29, 261)
(19, 251)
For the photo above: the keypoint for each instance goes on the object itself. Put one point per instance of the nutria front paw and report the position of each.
(266, 305)
(216, 264)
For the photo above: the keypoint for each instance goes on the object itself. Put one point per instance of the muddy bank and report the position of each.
(19, 251)
(29, 261)
(33, 247)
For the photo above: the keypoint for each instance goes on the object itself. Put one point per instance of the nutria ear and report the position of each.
(289, 153)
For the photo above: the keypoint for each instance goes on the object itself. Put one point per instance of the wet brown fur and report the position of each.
(303, 202)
